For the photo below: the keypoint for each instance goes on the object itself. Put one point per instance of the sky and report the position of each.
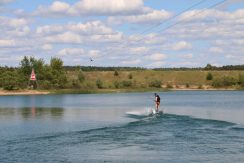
(134, 33)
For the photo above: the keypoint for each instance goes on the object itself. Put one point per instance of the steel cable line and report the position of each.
(173, 17)
(176, 23)
(165, 21)
(201, 11)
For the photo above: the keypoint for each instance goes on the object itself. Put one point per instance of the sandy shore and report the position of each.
(23, 92)
(40, 92)
(196, 88)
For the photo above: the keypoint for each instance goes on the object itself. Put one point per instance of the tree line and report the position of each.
(54, 75)
(48, 76)
(208, 67)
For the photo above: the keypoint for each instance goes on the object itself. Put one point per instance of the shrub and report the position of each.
(169, 85)
(116, 84)
(126, 83)
(116, 73)
(8, 87)
(76, 84)
(81, 77)
(99, 83)
(200, 86)
(46, 84)
(187, 85)
(130, 76)
(209, 76)
(155, 83)
(241, 80)
(225, 81)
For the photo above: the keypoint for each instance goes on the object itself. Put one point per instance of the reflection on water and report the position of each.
(219, 105)
(33, 112)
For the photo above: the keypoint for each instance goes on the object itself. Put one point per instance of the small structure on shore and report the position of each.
(33, 81)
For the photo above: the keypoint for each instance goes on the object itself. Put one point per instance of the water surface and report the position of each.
(198, 126)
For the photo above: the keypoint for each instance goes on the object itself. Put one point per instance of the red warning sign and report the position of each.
(33, 75)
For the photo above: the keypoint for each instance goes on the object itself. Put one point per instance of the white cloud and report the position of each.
(182, 45)
(7, 43)
(106, 38)
(94, 27)
(149, 39)
(94, 53)
(210, 24)
(49, 29)
(185, 64)
(92, 7)
(138, 50)
(59, 7)
(154, 16)
(5, 1)
(108, 7)
(67, 37)
(71, 52)
(47, 47)
(216, 50)
(13, 22)
(131, 62)
(156, 64)
(186, 56)
(156, 56)
(14, 27)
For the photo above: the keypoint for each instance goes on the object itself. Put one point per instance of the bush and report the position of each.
(200, 86)
(130, 76)
(116, 73)
(116, 84)
(241, 80)
(224, 82)
(46, 84)
(9, 80)
(155, 83)
(8, 87)
(209, 76)
(187, 85)
(76, 84)
(81, 77)
(169, 85)
(126, 83)
(99, 83)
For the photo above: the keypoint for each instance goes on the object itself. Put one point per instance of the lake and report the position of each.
(197, 126)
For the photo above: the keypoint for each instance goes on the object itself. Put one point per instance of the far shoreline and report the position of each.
(100, 91)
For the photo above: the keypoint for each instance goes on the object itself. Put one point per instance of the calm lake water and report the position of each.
(198, 126)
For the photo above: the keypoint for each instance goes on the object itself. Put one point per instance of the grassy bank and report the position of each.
(86, 82)
(149, 79)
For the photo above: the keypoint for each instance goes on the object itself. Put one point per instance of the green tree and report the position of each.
(81, 76)
(56, 64)
(209, 76)
(99, 83)
(25, 66)
(58, 73)
(9, 80)
(210, 67)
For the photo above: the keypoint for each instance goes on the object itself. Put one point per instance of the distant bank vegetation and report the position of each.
(54, 75)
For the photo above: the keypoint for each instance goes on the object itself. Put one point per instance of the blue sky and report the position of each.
(123, 32)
